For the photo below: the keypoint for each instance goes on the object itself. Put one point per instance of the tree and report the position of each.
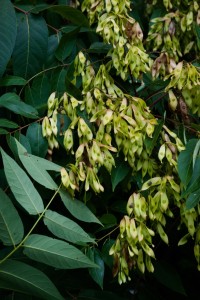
(99, 126)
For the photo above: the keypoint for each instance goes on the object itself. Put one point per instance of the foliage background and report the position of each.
(39, 41)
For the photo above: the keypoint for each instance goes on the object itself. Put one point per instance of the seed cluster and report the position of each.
(108, 121)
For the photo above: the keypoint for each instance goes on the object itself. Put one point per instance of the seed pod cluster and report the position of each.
(186, 79)
(123, 33)
(107, 122)
(166, 32)
(115, 122)
(49, 123)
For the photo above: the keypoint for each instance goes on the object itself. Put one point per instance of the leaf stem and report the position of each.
(43, 71)
(109, 233)
(21, 10)
(32, 228)
(20, 128)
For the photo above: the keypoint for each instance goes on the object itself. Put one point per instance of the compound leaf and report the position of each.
(21, 186)
(18, 276)
(55, 253)
(11, 226)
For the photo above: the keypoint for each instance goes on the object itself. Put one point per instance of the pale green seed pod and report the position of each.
(169, 155)
(79, 151)
(147, 249)
(133, 229)
(81, 172)
(107, 117)
(151, 182)
(164, 201)
(140, 234)
(184, 239)
(197, 253)
(130, 205)
(190, 224)
(47, 130)
(189, 18)
(161, 152)
(162, 233)
(82, 58)
(140, 261)
(173, 102)
(122, 227)
(44, 131)
(68, 139)
(143, 208)
(64, 177)
(52, 103)
(149, 264)
(108, 5)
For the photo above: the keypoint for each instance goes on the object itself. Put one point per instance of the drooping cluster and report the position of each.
(123, 33)
(114, 122)
(107, 121)
(175, 33)
(147, 214)
(185, 78)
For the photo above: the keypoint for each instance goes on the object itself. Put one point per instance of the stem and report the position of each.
(107, 234)
(154, 94)
(23, 11)
(53, 28)
(18, 129)
(155, 102)
(43, 71)
(33, 227)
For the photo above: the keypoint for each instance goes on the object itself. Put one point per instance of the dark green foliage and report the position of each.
(53, 245)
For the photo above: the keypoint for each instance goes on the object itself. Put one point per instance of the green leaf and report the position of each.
(107, 258)
(58, 81)
(55, 253)
(72, 90)
(30, 50)
(35, 170)
(8, 124)
(10, 80)
(108, 219)
(185, 161)
(12, 102)
(18, 276)
(53, 42)
(39, 144)
(119, 172)
(97, 274)
(197, 31)
(8, 32)
(38, 93)
(77, 208)
(11, 227)
(194, 182)
(196, 152)
(66, 45)
(12, 144)
(193, 199)
(166, 274)
(21, 186)
(65, 228)
(99, 47)
(3, 131)
(71, 27)
(44, 163)
(150, 143)
(71, 14)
